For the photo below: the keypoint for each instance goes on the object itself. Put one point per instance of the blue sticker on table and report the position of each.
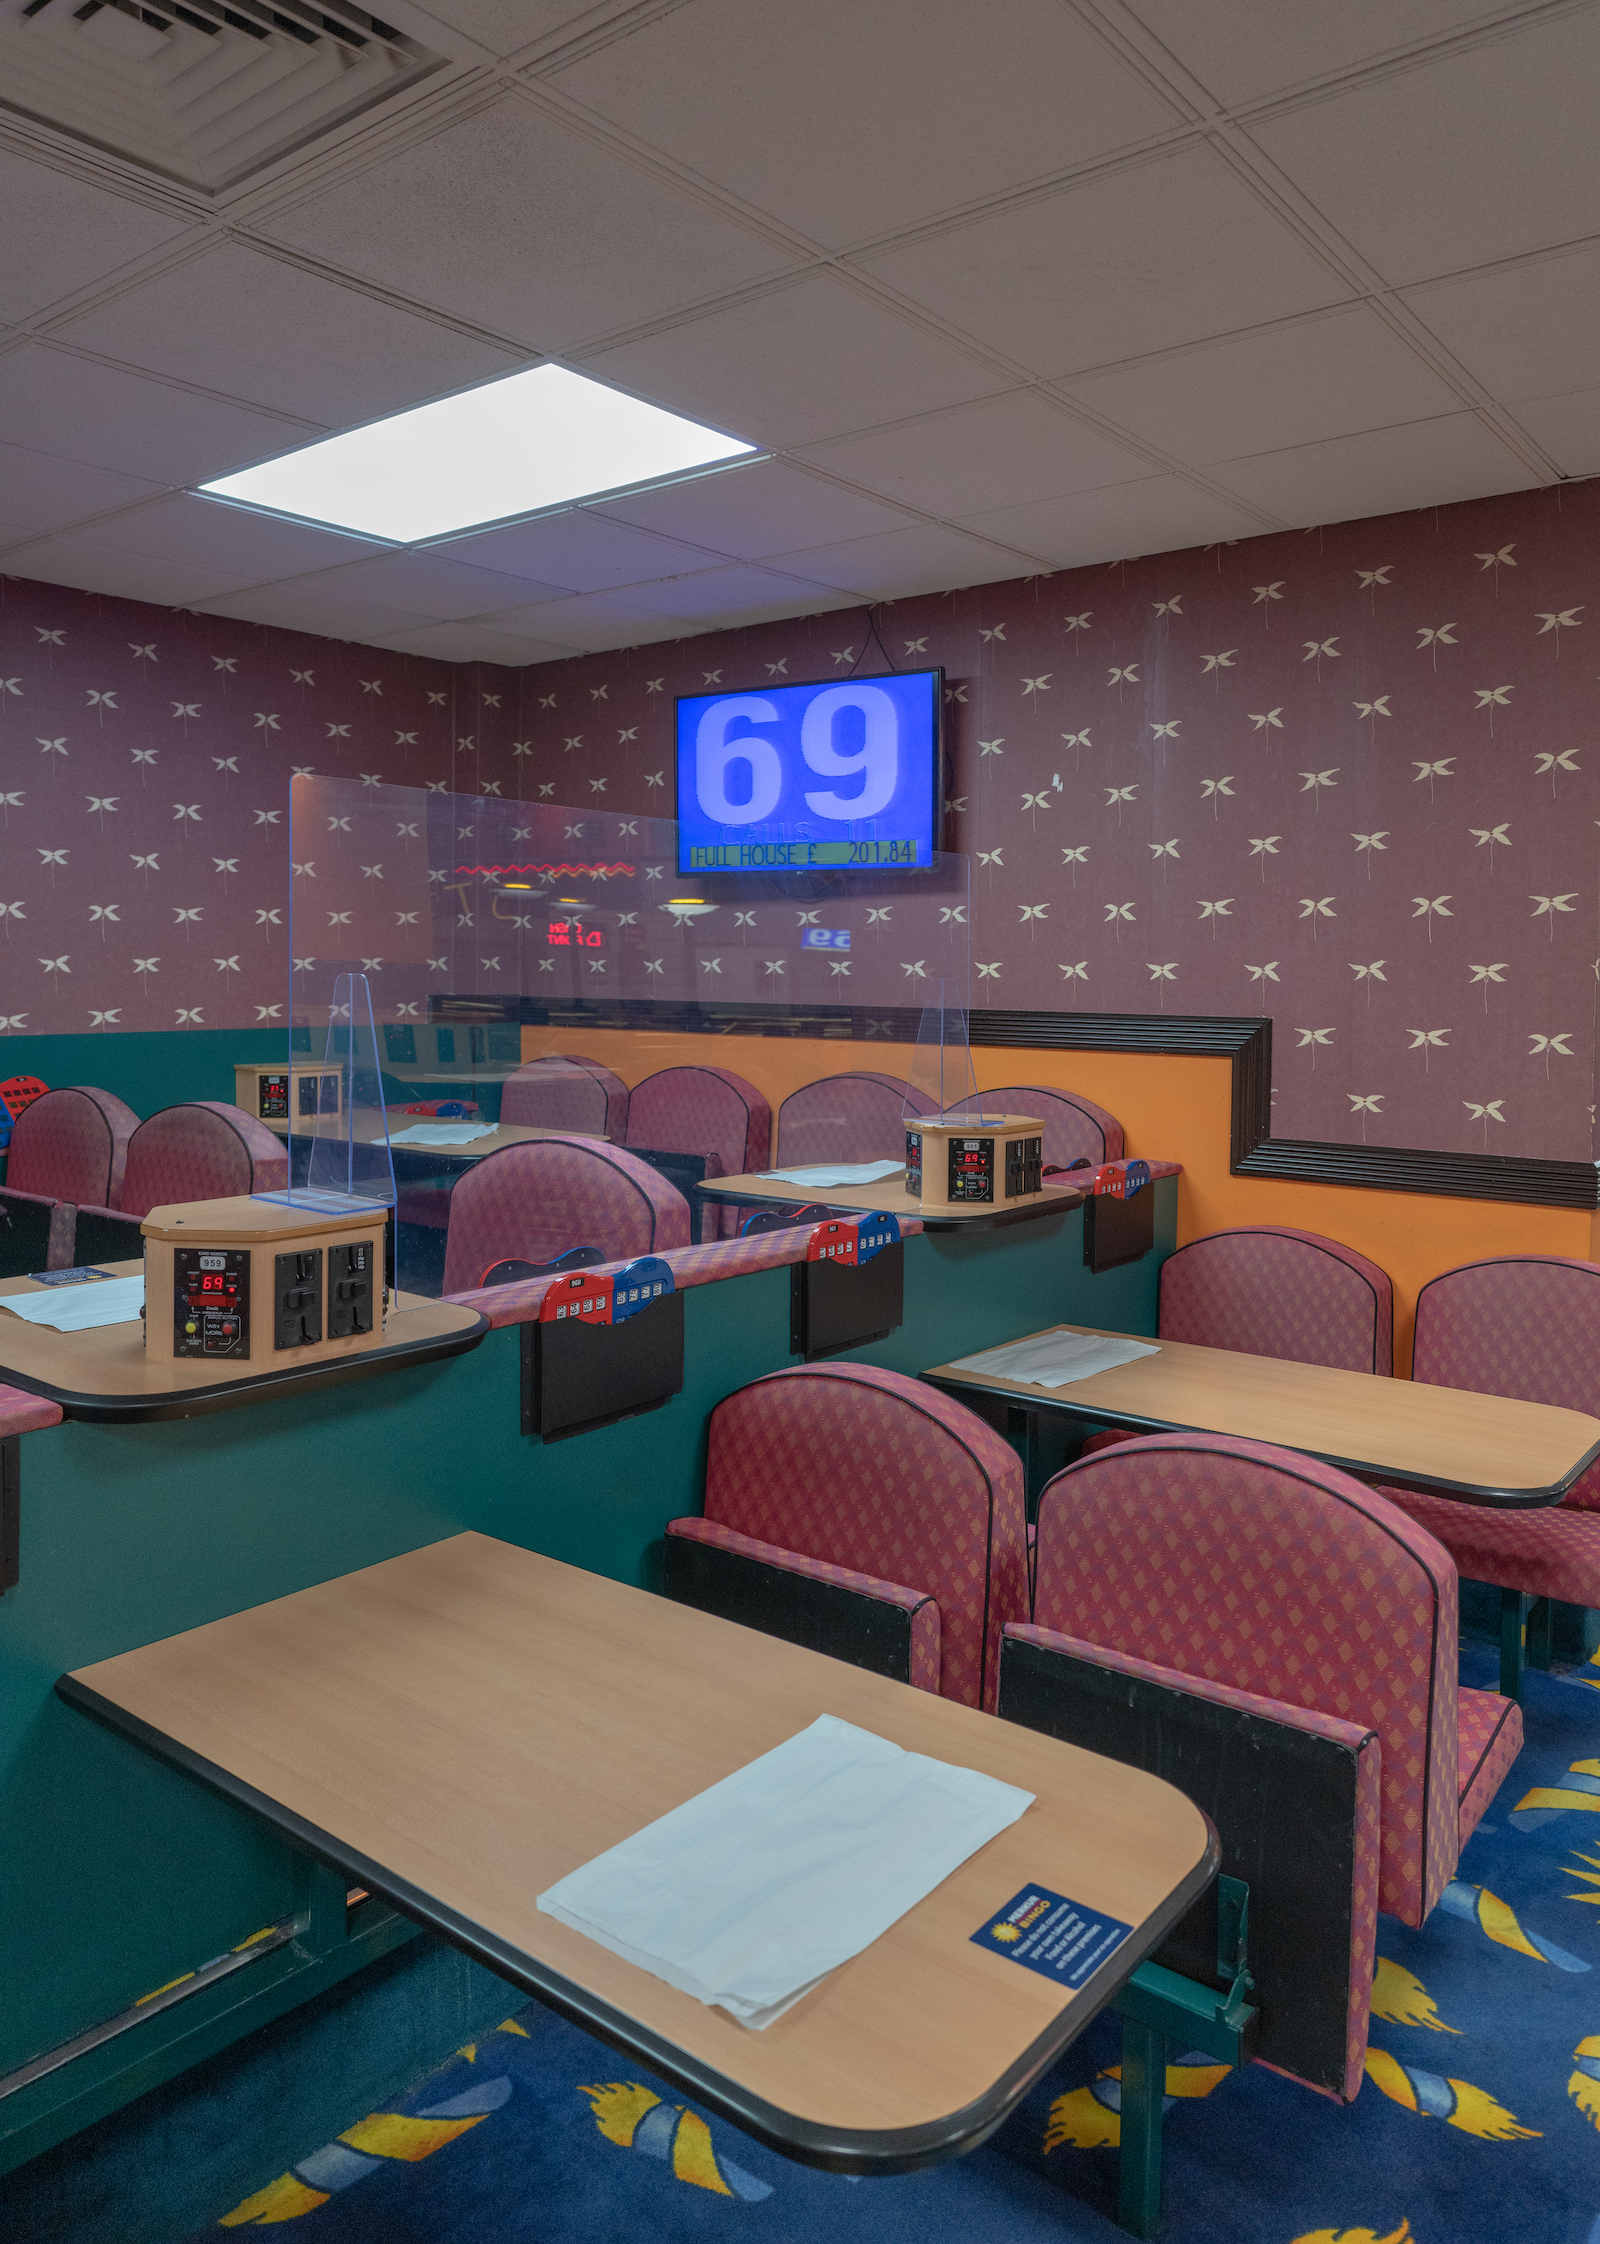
(1050, 1934)
(79, 1274)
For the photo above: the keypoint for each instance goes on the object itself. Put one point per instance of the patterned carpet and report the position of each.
(1479, 2121)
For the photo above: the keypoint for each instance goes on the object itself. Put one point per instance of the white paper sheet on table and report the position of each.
(1055, 1359)
(748, 1894)
(837, 1172)
(102, 1301)
(444, 1133)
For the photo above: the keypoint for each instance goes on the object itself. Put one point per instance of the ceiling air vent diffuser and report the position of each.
(203, 91)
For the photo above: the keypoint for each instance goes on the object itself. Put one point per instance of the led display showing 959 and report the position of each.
(840, 773)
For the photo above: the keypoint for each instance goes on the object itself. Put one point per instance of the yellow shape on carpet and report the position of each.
(283, 2200)
(1400, 2235)
(1457, 2102)
(1584, 2085)
(693, 2158)
(1558, 1796)
(1400, 1997)
(618, 2106)
(393, 2135)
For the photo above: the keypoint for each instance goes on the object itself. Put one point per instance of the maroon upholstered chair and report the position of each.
(536, 1200)
(68, 1150)
(843, 1501)
(204, 1150)
(1074, 1127)
(564, 1092)
(708, 1111)
(858, 1117)
(1529, 1326)
(1281, 1643)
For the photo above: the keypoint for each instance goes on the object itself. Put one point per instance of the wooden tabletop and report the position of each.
(889, 1194)
(369, 1125)
(1488, 1449)
(104, 1374)
(460, 1727)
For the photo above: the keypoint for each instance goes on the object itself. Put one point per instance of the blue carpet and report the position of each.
(1479, 2122)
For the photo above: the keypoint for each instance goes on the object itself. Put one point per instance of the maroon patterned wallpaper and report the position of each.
(1345, 777)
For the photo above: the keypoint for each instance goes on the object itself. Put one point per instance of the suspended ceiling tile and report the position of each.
(996, 453)
(722, 599)
(306, 606)
(1485, 154)
(39, 492)
(61, 234)
(503, 26)
(1329, 376)
(1241, 49)
(903, 563)
(845, 121)
(80, 561)
(1147, 258)
(750, 511)
(592, 622)
(1568, 427)
(81, 409)
(513, 220)
(1158, 514)
(429, 585)
(579, 549)
(474, 642)
(1425, 463)
(812, 360)
(268, 334)
(255, 547)
(1523, 330)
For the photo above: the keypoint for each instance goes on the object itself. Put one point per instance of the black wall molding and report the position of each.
(1244, 1039)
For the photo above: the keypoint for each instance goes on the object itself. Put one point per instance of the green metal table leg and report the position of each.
(1144, 2082)
(1541, 1630)
(1513, 1625)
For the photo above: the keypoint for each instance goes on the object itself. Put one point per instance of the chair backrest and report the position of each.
(1261, 1569)
(534, 1201)
(1270, 1291)
(858, 1117)
(204, 1150)
(72, 1145)
(702, 1110)
(1522, 1324)
(1073, 1126)
(563, 1092)
(873, 1471)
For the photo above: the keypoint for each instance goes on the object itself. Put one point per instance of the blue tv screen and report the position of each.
(838, 773)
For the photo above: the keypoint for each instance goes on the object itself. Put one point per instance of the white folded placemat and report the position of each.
(837, 1172)
(1054, 1359)
(748, 1894)
(444, 1133)
(102, 1301)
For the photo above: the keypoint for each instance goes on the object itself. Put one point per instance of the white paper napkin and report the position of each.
(444, 1133)
(748, 1894)
(837, 1172)
(1054, 1359)
(103, 1301)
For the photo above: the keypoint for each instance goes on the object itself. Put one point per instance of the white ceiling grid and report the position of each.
(1001, 285)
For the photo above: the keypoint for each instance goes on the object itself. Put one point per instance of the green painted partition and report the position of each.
(116, 1874)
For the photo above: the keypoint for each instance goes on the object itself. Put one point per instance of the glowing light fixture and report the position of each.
(539, 439)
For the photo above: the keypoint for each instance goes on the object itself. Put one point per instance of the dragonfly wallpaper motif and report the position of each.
(1345, 777)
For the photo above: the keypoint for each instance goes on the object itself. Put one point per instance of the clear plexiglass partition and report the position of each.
(429, 930)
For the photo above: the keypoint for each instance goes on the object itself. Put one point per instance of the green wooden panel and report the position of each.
(148, 1070)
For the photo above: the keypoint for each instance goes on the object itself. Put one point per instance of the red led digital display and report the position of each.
(571, 933)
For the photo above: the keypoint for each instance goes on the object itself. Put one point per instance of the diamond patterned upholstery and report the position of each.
(564, 1092)
(1528, 1326)
(706, 1110)
(858, 1117)
(1257, 1567)
(204, 1150)
(873, 1472)
(923, 1609)
(1369, 1806)
(1271, 1291)
(1073, 1126)
(69, 1150)
(26, 1414)
(537, 1200)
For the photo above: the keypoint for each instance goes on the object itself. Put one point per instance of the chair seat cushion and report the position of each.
(1488, 1740)
(1549, 1552)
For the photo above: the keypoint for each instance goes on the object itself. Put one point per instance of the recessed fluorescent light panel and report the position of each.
(533, 440)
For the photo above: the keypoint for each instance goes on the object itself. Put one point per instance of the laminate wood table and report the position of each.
(889, 1196)
(369, 1127)
(104, 1376)
(1483, 1449)
(458, 1728)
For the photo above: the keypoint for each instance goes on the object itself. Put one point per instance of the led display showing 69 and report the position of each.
(832, 773)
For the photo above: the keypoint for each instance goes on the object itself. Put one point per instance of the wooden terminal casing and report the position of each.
(288, 1096)
(265, 1282)
(990, 1160)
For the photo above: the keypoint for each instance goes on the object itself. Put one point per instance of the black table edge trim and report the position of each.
(900, 2150)
(1062, 1201)
(261, 1386)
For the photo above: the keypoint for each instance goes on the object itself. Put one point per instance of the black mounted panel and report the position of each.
(683, 1171)
(106, 1238)
(1117, 1231)
(576, 1376)
(10, 1511)
(25, 1237)
(833, 1306)
(1284, 1804)
(847, 1624)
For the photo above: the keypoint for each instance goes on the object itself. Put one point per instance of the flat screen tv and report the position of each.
(842, 773)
